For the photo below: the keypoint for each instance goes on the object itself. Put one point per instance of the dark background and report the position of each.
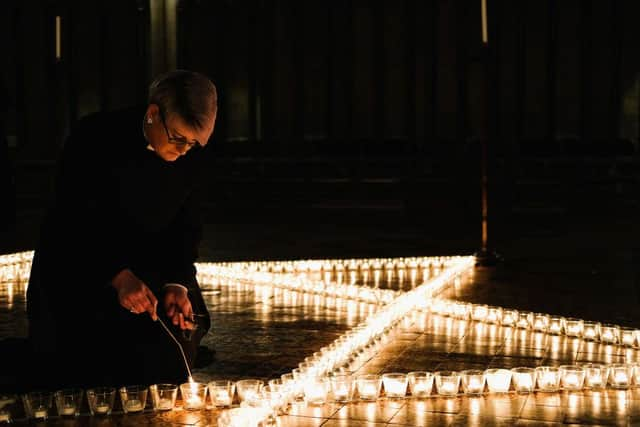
(350, 128)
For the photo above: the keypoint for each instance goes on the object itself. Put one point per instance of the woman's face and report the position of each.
(170, 138)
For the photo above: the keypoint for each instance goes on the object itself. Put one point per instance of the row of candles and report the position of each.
(537, 322)
(16, 258)
(16, 266)
(273, 398)
(209, 275)
(370, 387)
(360, 264)
(101, 400)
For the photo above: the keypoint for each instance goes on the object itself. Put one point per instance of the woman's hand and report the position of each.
(178, 306)
(134, 295)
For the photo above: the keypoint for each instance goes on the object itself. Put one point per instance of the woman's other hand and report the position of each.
(178, 306)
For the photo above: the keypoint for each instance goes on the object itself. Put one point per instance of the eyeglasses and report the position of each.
(180, 141)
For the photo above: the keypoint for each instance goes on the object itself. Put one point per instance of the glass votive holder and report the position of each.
(540, 322)
(37, 404)
(68, 402)
(620, 375)
(572, 377)
(472, 381)
(524, 379)
(275, 384)
(574, 327)
(134, 398)
(595, 375)
(101, 400)
(498, 380)
(342, 388)
(479, 312)
(395, 385)
(7, 408)
(609, 334)
(525, 320)
(494, 315)
(628, 337)
(591, 331)
(509, 317)
(316, 390)
(438, 306)
(368, 386)
(420, 383)
(194, 395)
(249, 388)
(556, 325)
(461, 311)
(163, 396)
(221, 393)
(447, 382)
(548, 378)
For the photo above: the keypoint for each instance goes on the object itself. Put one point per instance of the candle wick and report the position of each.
(186, 364)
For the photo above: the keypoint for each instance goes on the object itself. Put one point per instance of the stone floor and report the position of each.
(572, 270)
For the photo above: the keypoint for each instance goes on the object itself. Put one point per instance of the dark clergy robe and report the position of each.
(116, 205)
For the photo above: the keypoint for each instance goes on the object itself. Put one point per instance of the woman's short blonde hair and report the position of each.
(190, 95)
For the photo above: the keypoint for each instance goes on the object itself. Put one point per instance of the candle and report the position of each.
(591, 331)
(555, 325)
(341, 392)
(479, 312)
(165, 404)
(572, 377)
(498, 380)
(628, 337)
(40, 413)
(315, 391)
(523, 379)
(540, 322)
(472, 381)
(571, 380)
(573, 327)
(5, 417)
(68, 410)
(447, 388)
(193, 402)
(368, 391)
(509, 317)
(494, 315)
(524, 319)
(133, 405)
(620, 375)
(447, 382)
(222, 398)
(369, 386)
(395, 385)
(420, 383)
(101, 408)
(595, 375)
(548, 378)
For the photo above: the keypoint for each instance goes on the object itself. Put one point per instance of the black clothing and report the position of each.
(117, 205)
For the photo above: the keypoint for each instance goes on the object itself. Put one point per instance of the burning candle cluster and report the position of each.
(15, 267)
(300, 275)
(537, 322)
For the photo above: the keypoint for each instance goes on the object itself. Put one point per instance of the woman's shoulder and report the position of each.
(120, 122)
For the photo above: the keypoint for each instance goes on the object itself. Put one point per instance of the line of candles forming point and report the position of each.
(537, 322)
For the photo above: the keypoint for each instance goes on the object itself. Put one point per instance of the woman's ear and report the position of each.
(152, 113)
